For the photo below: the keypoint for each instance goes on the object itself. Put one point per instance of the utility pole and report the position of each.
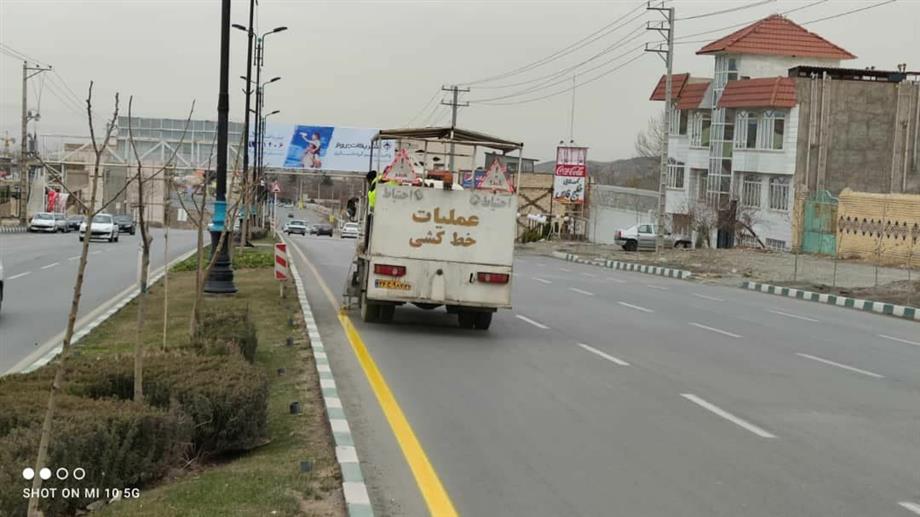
(220, 278)
(454, 104)
(247, 178)
(25, 180)
(666, 29)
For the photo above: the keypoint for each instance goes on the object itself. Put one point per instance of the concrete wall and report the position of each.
(613, 208)
(754, 66)
(860, 138)
(883, 227)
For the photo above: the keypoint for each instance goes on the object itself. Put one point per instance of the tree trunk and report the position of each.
(142, 297)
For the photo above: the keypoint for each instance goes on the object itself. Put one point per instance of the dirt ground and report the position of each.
(730, 267)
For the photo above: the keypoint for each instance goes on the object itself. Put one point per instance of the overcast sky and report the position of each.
(376, 63)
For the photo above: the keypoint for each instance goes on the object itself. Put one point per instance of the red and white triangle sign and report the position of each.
(495, 178)
(401, 169)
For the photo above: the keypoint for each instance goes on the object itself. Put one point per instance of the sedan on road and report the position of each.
(103, 226)
(323, 229)
(643, 236)
(48, 222)
(295, 226)
(74, 222)
(350, 231)
(125, 224)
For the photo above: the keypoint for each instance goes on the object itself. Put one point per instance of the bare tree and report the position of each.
(89, 212)
(146, 239)
(648, 141)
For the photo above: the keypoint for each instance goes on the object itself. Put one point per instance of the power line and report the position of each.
(742, 24)
(594, 36)
(725, 11)
(560, 92)
(425, 107)
(873, 6)
(8, 50)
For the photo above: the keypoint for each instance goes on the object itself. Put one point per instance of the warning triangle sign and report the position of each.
(401, 169)
(495, 178)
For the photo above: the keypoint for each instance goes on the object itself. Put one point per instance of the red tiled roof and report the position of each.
(768, 92)
(692, 95)
(678, 81)
(778, 36)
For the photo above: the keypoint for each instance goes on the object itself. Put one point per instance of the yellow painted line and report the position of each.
(439, 503)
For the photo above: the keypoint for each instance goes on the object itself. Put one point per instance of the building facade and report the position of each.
(778, 123)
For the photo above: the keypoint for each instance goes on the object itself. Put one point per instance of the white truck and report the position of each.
(431, 242)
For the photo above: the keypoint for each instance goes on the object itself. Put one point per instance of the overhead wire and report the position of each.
(725, 11)
(587, 40)
(845, 13)
(422, 110)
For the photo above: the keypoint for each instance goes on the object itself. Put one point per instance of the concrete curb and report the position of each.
(625, 266)
(355, 490)
(898, 311)
(13, 229)
(89, 327)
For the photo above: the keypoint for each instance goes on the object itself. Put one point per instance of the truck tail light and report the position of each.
(493, 278)
(619, 234)
(388, 270)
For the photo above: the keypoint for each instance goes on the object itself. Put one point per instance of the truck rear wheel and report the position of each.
(370, 311)
(385, 313)
(483, 320)
(467, 319)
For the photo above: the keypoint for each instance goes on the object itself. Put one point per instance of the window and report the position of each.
(779, 132)
(750, 191)
(761, 130)
(645, 228)
(699, 130)
(779, 193)
(676, 175)
(682, 123)
(750, 140)
(775, 244)
(702, 183)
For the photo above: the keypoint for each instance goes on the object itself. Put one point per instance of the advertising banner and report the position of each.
(322, 148)
(571, 175)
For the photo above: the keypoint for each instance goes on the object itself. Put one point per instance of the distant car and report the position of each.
(48, 222)
(349, 231)
(125, 224)
(643, 237)
(295, 226)
(103, 226)
(324, 229)
(74, 222)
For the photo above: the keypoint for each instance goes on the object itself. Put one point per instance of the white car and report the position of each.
(48, 222)
(102, 227)
(349, 231)
(295, 226)
(643, 237)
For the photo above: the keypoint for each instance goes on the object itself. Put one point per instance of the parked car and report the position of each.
(48, 222)
(125, 224)
(74, 222)
(324, 229)
(643, 236)
(349, 231)
(295, 226)
(103, 226)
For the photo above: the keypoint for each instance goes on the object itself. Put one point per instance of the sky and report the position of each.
(376, 63)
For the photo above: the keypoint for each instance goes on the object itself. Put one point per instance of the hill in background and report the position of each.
(631, 172)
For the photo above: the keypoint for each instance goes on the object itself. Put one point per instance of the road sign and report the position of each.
(281, 262)
(276, 188)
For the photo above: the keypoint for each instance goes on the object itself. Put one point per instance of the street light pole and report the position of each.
(257, 162)
(247, 181)
(220, 278)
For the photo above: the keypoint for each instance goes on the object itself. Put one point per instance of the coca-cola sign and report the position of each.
(568, 169)
(571, 175)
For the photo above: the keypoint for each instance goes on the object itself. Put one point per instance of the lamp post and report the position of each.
(260, 61)
(220, 278)
(247, 185)
(262, 146)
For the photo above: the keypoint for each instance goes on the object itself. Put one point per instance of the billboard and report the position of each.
(571, 175)
(322, 148)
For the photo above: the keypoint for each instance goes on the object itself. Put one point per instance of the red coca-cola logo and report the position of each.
(563, 169)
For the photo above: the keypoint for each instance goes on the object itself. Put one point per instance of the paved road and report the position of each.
(616, 393)
(40, 272)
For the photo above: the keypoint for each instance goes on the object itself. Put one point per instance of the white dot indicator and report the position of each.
(45, 473)
(28, 473)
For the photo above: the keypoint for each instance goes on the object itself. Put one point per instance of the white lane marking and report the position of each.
(20, 275)
(838, 365)
(711, 329)
(49, 266)
(592, 275)
(661, 287)
(900, 340)
(95, 252)
(796, 316)
(581, 291)
(73, 258)
(631, 306)
(542, 280)
(705, 297)
(728, 416)
(914, 507)
(532, 322)
(566, 270)
(617, 280)
(606, 356)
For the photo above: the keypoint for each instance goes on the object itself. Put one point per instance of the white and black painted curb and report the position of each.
(13, 229)
(898, 311)
(356, 497)
(625, 266)
(84, 330)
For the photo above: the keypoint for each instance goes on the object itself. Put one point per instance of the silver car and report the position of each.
(103, 226)
(49, 222)
(349, 231)
(643, 236)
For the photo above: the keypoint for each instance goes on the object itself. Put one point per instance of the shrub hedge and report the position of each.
(226, 330)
